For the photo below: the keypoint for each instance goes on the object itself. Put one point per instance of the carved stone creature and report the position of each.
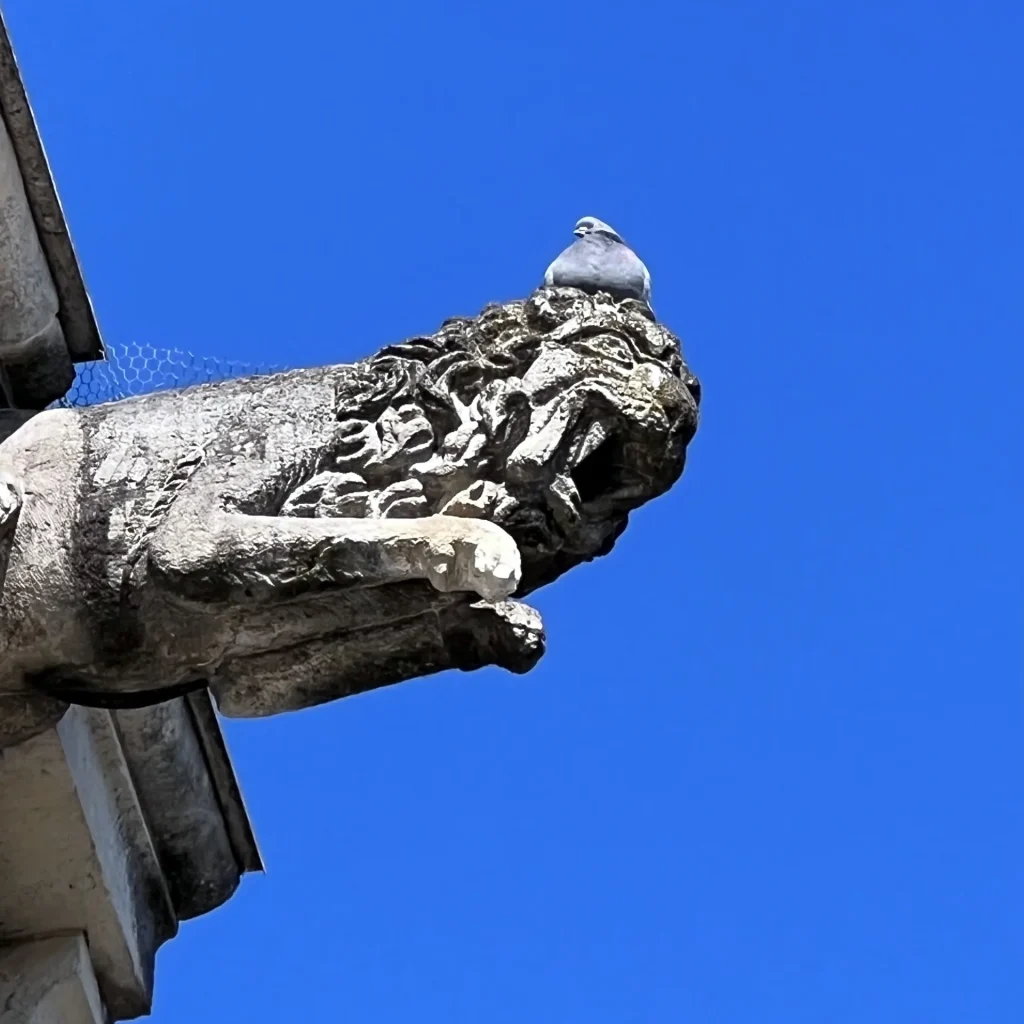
(291, 539)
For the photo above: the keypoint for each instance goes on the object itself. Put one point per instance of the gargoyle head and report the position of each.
(596, 424)
(553, 417)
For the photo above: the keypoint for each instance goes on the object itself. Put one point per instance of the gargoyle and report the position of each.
(294, 538)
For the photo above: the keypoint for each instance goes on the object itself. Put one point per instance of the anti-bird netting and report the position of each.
(135, 369)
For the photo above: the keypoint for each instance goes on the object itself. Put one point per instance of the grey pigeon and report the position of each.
(600, 261)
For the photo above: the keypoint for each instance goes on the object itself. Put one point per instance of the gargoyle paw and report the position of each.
(480, 557)
(496, 564)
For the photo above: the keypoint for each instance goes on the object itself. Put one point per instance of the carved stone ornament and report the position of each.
(290, 539)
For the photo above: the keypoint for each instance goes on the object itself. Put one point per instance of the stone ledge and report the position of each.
(76, 313)
(49, 981)
(119, 825)
(46, 318)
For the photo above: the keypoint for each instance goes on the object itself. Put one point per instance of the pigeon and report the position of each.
(600, 261)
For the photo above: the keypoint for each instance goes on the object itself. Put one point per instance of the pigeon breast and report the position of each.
(597, 263)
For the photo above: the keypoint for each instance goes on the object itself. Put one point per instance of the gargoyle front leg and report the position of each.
(464, 635)
(236, 558)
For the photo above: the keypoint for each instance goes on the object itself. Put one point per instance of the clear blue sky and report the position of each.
(771, 768)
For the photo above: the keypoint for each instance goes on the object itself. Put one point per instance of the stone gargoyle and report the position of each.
(294, 538)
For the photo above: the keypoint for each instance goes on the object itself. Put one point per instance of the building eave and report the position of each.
(76, 315)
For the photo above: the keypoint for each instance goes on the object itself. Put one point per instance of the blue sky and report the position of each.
(770, 768)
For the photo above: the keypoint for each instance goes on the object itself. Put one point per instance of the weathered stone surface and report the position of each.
(12, 419)
(119, 825)
(189, 798)
(76, 854)
(49, 981)
(296, 538)
(39, 273)
(32, 348)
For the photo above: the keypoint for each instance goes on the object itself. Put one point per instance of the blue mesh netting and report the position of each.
(136, 369)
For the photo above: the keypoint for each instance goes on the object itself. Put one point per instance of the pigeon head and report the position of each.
(591, 225)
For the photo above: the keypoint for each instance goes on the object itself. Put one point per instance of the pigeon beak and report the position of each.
(579, 232)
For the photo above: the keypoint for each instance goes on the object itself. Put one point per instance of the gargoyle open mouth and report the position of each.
(599, 472)
(590, 493)
(602, 472)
